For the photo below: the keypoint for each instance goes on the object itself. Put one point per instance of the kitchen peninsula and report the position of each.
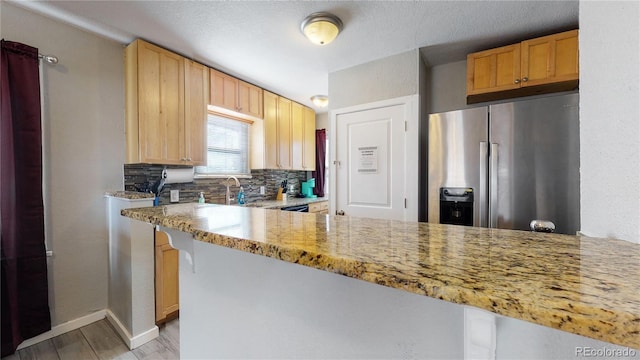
(269, 300)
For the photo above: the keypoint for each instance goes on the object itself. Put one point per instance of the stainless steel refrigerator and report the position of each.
(504, 165)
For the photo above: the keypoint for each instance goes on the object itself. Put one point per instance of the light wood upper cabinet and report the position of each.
(536, 66)
(289, 135)
(161, 117)
(550, 59)
(303, 145)
(284, 133)
(230, 93)
(250, 99)
(196, 95)
(270, 131)
(309, 140)
(297, 135)
(224, 90)
(493, 70)
(303, 138)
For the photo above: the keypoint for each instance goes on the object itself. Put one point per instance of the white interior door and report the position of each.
(370, 162)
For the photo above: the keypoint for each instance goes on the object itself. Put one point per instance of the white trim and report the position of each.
(65, 328)
(479, 334)
(412, 149)
(131, 341)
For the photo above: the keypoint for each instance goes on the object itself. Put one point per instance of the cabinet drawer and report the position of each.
(319, 206)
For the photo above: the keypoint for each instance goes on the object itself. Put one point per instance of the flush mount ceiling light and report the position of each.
(320, 100)
(321, 27)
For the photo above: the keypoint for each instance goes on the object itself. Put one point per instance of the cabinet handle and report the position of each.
(525, 79)
(188, 159)
(516, 81)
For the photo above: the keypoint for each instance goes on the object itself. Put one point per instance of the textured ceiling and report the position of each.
(260, 41)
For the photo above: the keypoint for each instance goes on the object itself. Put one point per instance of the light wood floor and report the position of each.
(100, 341)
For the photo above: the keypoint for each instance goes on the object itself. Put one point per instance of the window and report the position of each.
(227, 147)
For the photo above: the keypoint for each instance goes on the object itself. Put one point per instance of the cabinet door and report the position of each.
(195, 119)
(166, 283)
(284, 133)
(309, 140)
(224, 90)
(270, 130)
(249, 99)
(493, 70)
(550, 59)
(160, 105)
(297, 136)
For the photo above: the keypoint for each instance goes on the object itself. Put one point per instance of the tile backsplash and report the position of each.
(137, 177)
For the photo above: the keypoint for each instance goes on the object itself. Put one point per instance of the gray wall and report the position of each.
(322, 121)
(84, 101)
(381, 79)
(449, 87)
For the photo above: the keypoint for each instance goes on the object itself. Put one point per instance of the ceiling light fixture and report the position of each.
(321, 27)
(320, 100)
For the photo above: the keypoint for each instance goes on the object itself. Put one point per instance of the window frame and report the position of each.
(204, 175)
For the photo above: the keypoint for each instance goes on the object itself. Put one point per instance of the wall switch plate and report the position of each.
(262, 190)
(175, 195)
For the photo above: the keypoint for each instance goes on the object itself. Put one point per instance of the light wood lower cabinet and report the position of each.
(167, 289)
(320, 207)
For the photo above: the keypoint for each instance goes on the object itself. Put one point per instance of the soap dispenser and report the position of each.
(241, 196)
(201, 198)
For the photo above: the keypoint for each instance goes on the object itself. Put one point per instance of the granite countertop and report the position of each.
(278, 204)
(587, 286)
(130, 195)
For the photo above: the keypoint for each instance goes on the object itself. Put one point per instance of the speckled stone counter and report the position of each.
(130, 195)
(582, 285)
(278, 204)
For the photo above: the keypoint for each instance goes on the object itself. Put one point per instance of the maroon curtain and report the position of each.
(321, 151)
(25, 305)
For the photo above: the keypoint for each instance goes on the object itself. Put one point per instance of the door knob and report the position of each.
(516, 81)
(340, 212)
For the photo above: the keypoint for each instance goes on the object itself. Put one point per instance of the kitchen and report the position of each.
(87, 155)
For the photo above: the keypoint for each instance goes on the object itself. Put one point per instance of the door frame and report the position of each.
(411, 161)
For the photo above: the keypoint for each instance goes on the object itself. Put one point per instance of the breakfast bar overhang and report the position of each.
(258, 283)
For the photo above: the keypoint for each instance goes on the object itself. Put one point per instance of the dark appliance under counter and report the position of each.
(297, 208)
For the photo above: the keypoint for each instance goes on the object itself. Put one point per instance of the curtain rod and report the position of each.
(51, 59)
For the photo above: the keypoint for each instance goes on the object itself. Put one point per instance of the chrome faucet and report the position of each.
(228, 195)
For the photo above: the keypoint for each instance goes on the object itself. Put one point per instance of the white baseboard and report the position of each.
(64, 328)
(131, 341)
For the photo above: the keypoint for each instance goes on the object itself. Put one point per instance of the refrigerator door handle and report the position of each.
(483, 207)
(493, 189)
